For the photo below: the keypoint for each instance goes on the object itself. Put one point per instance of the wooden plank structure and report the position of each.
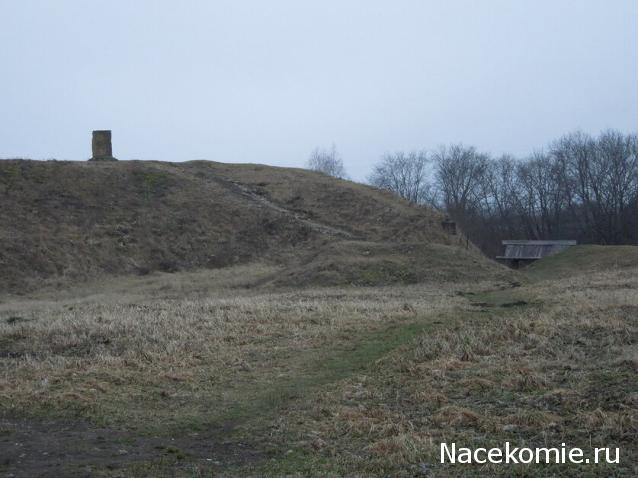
(520, 253)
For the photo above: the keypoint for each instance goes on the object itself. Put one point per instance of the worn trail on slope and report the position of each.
(60, 448)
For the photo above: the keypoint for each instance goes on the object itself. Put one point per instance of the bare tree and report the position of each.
(406, 175)
(459, 174)
(327, 161)
(542, 195)
(615, 168)
(583, 188)
(499, 199)
(576, 152)
(603, 176)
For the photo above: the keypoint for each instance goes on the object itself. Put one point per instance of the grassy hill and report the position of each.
(192, 376)
(64, 222)
(193, 373)
(582, 260)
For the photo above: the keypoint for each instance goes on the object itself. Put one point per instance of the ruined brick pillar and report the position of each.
(102, 149)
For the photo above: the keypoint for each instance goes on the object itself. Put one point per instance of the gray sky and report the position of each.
(256, 81)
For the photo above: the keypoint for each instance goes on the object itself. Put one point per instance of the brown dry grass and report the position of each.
(184, 337)
(559, 371)
(337, 381)
(65, 222)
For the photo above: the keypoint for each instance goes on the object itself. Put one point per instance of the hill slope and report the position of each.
(584, 259)
(69, 221)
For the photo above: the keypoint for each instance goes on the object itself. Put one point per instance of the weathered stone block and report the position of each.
(102, 148)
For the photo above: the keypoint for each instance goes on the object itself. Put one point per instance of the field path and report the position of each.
(59, 448)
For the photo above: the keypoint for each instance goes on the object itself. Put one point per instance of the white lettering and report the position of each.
(509, 454)
(616, 460)
(476, 455)
(547, 451)
(528, 452)
(445, 450)
(495, 455)
(465, 455)
(575, 453)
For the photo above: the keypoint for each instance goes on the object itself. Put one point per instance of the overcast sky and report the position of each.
(268, 81)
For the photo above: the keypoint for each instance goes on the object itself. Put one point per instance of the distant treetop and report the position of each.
(327, 161)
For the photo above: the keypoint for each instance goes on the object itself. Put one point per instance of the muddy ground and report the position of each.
(53, 448)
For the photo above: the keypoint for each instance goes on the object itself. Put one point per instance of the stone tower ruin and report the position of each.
(101, 145)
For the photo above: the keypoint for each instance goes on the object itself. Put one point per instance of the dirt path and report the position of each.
(237, 188)
(54, 448)
(58, 448)
(264, 202)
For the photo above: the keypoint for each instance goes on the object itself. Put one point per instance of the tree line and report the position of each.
(580, 187)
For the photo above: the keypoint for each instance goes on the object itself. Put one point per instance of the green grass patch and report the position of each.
(254, 404)
(583, 259)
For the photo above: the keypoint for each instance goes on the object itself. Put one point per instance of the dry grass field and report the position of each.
(201, 319)
(207, 374)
